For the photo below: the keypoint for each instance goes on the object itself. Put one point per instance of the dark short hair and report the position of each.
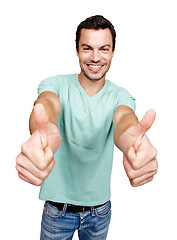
(95, 22)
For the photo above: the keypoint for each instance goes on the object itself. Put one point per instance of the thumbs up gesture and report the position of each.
(139, 160)
(36, 159)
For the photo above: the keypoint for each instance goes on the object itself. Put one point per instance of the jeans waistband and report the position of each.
(74, 208)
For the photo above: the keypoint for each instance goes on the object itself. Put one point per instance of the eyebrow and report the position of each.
(86, 45)
(107, 45)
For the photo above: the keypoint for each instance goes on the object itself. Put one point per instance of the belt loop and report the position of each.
(92, 211)
(64, 209)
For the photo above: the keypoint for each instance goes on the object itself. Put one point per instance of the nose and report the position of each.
(95, 56)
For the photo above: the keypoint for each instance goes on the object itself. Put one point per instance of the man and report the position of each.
(79, 118)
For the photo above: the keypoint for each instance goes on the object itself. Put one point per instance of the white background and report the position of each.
(37, 41)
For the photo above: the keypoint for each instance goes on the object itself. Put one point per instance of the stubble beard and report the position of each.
(92, 78)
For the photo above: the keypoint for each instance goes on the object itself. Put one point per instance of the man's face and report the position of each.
(95, 53)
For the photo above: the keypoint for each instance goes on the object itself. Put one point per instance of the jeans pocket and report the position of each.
(103, 211)
(52, 211)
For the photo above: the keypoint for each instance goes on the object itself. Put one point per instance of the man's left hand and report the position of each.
(139, 160)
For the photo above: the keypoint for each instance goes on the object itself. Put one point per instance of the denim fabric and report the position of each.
(91, 225)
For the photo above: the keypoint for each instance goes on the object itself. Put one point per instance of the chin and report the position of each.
(94, 78)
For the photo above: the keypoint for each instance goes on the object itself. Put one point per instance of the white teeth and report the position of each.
(94, 66)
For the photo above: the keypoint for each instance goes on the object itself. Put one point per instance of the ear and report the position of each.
(113, 53)
(77, 53)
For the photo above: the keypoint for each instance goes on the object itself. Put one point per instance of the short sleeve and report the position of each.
(48, 84)
(125, 98)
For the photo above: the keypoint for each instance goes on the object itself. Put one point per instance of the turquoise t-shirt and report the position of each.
(82, 172)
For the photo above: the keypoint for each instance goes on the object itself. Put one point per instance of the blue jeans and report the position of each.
(91, 225)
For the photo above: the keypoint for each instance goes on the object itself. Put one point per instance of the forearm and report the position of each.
(126, 121)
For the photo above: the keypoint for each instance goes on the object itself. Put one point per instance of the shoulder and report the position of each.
(115, 89)
(55, 83)
(60, 78)
(120, 95)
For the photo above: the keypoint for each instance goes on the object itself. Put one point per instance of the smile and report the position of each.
(94, 67)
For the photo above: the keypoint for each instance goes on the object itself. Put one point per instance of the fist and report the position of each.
(140, 160)
(36, 159)
(35, 162)
(141, 164)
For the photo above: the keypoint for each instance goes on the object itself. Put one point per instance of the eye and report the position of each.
(86, 49)
(105, 49)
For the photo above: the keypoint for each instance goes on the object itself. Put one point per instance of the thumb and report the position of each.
(131, 155)
(41, 120)
(145, 124)
(48, 153)
(40, 116)
(43, 138)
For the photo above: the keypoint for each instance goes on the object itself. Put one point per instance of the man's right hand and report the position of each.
(36, 160)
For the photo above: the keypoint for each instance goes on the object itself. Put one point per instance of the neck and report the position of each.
(91, 87)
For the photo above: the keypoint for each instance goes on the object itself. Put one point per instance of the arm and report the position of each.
(36, 159)
(124, 117)
(139, 161)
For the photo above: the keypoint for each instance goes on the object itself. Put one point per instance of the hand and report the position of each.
(139, 161)
(36, 160)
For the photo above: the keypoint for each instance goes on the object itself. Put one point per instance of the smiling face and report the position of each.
(95, 53)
